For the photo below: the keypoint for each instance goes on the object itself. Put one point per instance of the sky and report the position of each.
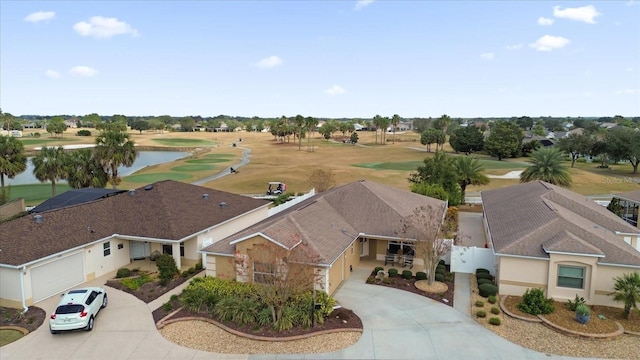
(327, 59)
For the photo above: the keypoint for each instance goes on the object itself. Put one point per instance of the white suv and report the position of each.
(78, 309)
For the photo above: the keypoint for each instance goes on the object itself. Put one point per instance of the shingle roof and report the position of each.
(329, 222)
(631, 195)
(528, 218)
(167, 210)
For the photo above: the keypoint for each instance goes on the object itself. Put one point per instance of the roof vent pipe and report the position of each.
(223, 205)
(38, 219)
(205, 196)
(132, 192)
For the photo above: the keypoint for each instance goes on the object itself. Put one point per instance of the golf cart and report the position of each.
(276, 188)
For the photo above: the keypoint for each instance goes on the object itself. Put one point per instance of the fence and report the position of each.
(294, 201)
(466, 259)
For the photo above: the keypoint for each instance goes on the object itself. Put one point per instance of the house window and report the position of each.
(168, 249)
(571, 276)
(401, 247)
(106, 248)
(263, 273)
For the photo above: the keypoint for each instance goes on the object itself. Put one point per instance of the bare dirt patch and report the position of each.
(31, 320)
(445, 297)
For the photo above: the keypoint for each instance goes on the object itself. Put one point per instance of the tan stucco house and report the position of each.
(46, 253)
(358, 221)
(545, 236)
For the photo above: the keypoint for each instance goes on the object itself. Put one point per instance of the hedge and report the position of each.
(421, 275)
(393, 272)
(484, 281)
(484, 276)
(407, 274)
(487, 290)
(481, 270)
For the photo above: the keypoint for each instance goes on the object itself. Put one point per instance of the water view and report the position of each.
(146, 158)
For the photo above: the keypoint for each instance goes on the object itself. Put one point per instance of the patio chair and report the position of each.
(389, 258)
(408, 261)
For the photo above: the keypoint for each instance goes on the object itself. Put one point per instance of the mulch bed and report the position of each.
(151, 290)
(340, 318)
(409, 285)
(565, 318)
(31, 320)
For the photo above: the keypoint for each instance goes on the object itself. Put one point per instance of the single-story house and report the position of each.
(630, 202)
(545, 236)
(46, 253)
(362, 220)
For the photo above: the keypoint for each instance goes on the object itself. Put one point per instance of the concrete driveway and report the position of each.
(397, 325)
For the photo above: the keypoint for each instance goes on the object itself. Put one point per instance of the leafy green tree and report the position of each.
(354, 137)
(524, 122)
(575, 145)
(310, 124)
(627, 291)
(435, 191)
(85, 170)
(56, 126)
(299, 123)
(13, 161)
(140, 125)
(395, 120)
(439, 170)
(505, 139)
(187, 124)
(467, 139)
(624, 143)
(328, 129)
(547, 165)
(91, 120)
(431, 136)
(442, 123)
(615, 207)
(421, 124)
(530, 146)
(114, 123)
(50, 165)
(538, 129)
(9, 122)
(113, 149)
(469, 172)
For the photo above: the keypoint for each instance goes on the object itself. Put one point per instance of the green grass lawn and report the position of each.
(211, 159)
(400, 166)
(34, 194)
(150, 178)
(9, 336)
(193, 167)
(184, 142)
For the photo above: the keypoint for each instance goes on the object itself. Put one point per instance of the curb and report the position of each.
(616, 333)
(16, 328)
(506, 311)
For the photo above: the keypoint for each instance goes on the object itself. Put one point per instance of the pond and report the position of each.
(145, 158)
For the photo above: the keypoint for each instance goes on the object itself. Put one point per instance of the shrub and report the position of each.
(481, 313)
(376, 269)
(393, 272)
(495, 310)
(481, 270)
(495, 321)
(583, 309)
(479, 303)
(571, 305)
(492, 299)
(421, 275)
(84, 133)
(370, 280)
(534, 303)
(135, 283)
(441, 262)
(167, 268)
(407, 274)
(441, 270)
(484, 276)
(486, 290)
(198, 265)
(484, 281)
(185, 274)
(173, 297)
(36, 134)
(439, 277)
(123, 273)
(192, 270)
(167, 306)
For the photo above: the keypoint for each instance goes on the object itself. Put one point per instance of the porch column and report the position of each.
(175, 249)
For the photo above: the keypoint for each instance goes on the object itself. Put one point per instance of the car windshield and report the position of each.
(69, 309)
(77, 291)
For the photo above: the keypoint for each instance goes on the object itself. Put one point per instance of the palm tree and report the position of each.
(627, 290)
(114, 148)
(547, 166)
(85, 170)
(469, 170)
(13, 160)
(299, 122)
(50, 165)
(395, 120)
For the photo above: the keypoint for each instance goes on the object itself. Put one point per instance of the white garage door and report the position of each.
(57, 276)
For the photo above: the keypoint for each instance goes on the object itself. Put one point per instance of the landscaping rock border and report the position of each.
(17, 328)
(616, 333)
(504, 309)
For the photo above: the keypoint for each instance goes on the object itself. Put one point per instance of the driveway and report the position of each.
(397, 325)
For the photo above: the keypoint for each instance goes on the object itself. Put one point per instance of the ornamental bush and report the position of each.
(393, 272)
(486, 290)
(123, 273)
(439, 277)
(481, 313)
(479, 303)
(421, 275)
(495, 321)
(535, 303)
(167, 268)
(407, 274)
(484, 281)
(492, 299)
(481, 270)
(376, 269)
(495, 310)
(484, 276)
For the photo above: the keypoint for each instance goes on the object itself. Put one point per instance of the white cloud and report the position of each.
(335, 90)
(269, 62)
(40, 16)
(361, 4)
(549, 42)
(585, 13)
(545, 21)
(52, 74)
(515, 46)
(627, 92)
(487, 56)
(83, 71)
(104, 28)
(630, 3)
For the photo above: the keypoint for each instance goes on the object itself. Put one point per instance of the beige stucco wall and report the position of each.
(335, 274)
(340, 270)
(604, 281)
(96, 264)
(564, 293)
(11, 208)
(10, 288)
(220, 266)
(516, 275)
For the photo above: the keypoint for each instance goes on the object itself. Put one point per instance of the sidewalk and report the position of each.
(462, 293)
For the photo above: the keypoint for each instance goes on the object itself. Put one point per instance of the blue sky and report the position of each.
(320, 58)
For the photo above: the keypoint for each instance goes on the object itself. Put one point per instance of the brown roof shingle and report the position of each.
(167, 210)
(528, 218)
(329, 222)
(630, 195)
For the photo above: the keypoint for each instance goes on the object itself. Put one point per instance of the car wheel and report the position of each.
(90, 324)
(53, 331)
(104, 301)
